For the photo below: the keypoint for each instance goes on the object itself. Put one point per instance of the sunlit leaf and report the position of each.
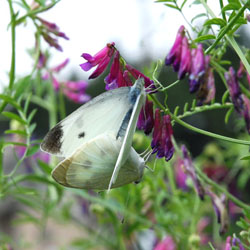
(215, 21)
(204, 37)
(14, 116)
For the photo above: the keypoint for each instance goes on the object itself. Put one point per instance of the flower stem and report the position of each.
(198, 130)
(227, 28)
(221, 189)
(13, 45)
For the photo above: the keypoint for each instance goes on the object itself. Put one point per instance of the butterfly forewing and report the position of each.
(102, 114)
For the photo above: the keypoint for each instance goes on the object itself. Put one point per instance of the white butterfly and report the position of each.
(96, 141)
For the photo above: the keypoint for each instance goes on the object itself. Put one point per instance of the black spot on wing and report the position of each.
(122, 129)
(52, 142)
(81, 135)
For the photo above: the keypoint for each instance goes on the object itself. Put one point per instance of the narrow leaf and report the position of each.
(231, 6)
(172, 6)
(19, 132)
(228, 114)
(215, 21)
(204, 37)
(10, 101)
(14, 117)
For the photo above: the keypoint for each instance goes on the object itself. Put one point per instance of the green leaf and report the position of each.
(172, 6)
(31, 115)
(183, 4)
(204, 37)
(228, 114)
(32, 150)
(176, 110)
(225, 62)
(185, 107)
(198, 16)
(245, 158)
(44, 166)
(224, 97)
(22, 85)
(12, 143)
(10, 101)
(194, 104)
(216, 21)
(19, 132)
(32, 128)
(14, 117)
(231, 6)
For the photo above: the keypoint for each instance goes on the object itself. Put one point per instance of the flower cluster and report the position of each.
(189, 169)
(240, 101)
(192, 62)
(120, 71)
(235, 242)
(184, 168)
(161, 142)
(73, 90)
(120, 76)
(50, 32)
(166, 244)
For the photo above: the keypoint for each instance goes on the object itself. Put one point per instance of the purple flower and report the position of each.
(75, 91)
(146, 118)
(190, 170)
(48, 29)
(41, 61)
(180, 175)
(60, 66)
(234, 89)
(185, 61)
(233, 242)
(174, 56)
(240, 101)
(53, 42)
(166, 244)
(161, 142)
(137, 74)
(197, 68)
(219, 204)
(246, 111)
(206, 92)
(102, 59)
(115, 79)
(78, 97)
(53, 28)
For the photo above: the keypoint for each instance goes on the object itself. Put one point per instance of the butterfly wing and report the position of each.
(138, 93)
(92, 165)
(104, 113)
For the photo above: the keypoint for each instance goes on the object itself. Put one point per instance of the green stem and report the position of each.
(198, 130)
(221, 189)
(227, 28)
(239, 52)
(13, 45)
(36, 11)
(13, 55)
(204, 132)
(223, 13)
(206, 108)
(170, 86)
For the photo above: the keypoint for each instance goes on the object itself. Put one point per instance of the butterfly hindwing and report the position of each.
(92, 165)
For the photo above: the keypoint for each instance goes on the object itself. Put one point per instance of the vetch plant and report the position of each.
(196, 197)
